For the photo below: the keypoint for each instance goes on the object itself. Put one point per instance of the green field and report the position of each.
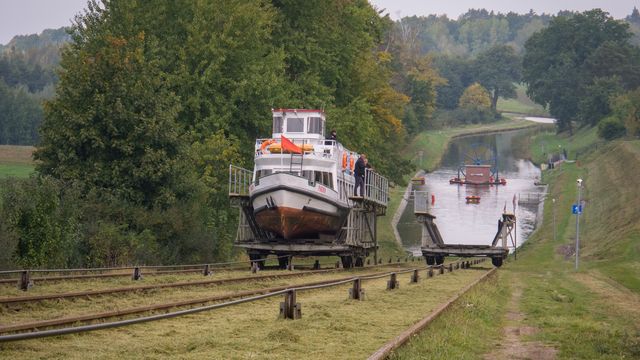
(16, 161)
(521, 104)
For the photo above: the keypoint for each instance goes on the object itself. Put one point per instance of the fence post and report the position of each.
(441, 269)
(289, 309)
(254, 267)
(368, 262)
(207, 271)
(393, 282)
(316, 265)
(137, 274)
(25, 280)
(415, 276)
(356, 292)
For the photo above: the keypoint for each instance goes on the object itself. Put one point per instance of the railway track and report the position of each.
(96, 317)
(78, 294)
(143, 309)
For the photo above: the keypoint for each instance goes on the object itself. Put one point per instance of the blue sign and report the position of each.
(576, 209)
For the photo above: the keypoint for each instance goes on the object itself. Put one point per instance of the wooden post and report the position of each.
(254, 267)
(430, 273)
(289, 309)
(368, 262)
(415, 276)
(316, 265)
(290, 263)
(206, 271)
(356, 292)
(441, 269)
(25, 280)
(393, 282)
(450, 267)
(137, 274)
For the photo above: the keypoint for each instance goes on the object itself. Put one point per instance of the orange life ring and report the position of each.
(265, 144)
(344, 161)
(352, 162)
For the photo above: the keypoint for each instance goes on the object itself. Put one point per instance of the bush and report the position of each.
(611, 128)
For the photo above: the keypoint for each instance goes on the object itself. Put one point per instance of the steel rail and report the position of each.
(24, 299)
(384, 351)
(16, 271)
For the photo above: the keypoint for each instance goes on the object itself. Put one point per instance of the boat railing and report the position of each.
(420, 202)
(321, 147)
(376, 187)
(239, 181)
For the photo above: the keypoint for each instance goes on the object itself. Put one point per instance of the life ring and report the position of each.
(265, 144)
(352, 162)
(344, 161)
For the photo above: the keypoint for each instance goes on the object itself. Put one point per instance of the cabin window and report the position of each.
(324, 178)
(314, 125)
(277, 124)
(308, 174)
(263, 173)
(295, 125)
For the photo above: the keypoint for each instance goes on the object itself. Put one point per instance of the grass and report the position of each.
(521, 104)
(16, 161)
(470, 326)
(332, 326)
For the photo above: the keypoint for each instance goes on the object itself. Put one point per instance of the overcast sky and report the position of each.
(21, 17)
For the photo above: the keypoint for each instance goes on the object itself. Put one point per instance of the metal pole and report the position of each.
(578, 224)
(554, 218)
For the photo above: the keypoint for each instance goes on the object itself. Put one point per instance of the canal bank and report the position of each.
(426, 150)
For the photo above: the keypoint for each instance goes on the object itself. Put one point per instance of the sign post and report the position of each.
(577, 209)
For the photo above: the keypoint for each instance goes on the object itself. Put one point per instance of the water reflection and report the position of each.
(462, 223)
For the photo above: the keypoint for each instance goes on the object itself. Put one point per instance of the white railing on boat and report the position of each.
(239, 181)
(321, 147)
(376, 187)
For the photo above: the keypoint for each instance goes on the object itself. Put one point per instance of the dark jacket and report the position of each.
(359, 168)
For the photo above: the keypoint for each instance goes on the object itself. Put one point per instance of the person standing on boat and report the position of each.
(333, 135)
(359, 174)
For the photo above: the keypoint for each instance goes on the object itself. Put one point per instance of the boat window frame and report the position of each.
(302, 123)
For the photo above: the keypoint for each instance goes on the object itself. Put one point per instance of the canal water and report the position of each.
(462, 223)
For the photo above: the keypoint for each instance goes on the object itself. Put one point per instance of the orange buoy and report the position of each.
(265, 144)
(344, 161)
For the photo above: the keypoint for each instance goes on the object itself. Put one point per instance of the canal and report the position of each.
(463, 223)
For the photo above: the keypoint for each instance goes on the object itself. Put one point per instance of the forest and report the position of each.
(138, 108)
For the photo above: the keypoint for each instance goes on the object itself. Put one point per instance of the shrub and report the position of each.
(611, 128)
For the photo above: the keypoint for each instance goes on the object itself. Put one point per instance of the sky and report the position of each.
(23, 17)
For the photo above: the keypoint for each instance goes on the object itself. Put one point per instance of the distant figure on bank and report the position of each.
(359, 170)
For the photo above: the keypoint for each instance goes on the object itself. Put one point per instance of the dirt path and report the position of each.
(514, 345)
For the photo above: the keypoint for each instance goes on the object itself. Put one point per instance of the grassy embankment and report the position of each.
(16, 161)
(521, 104)
(586, 314)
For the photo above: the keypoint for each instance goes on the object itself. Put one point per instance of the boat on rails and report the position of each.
(299, 199)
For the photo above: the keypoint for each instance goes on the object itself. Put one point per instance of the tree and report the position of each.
(113, 122)
(497, 69)
(554, 66)
(626, 109)
(475, 97)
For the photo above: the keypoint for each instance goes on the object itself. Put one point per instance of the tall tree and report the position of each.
(113, 123)
(497, 69)
(554, 63)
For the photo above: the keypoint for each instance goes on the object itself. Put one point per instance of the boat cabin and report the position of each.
(298, 123)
